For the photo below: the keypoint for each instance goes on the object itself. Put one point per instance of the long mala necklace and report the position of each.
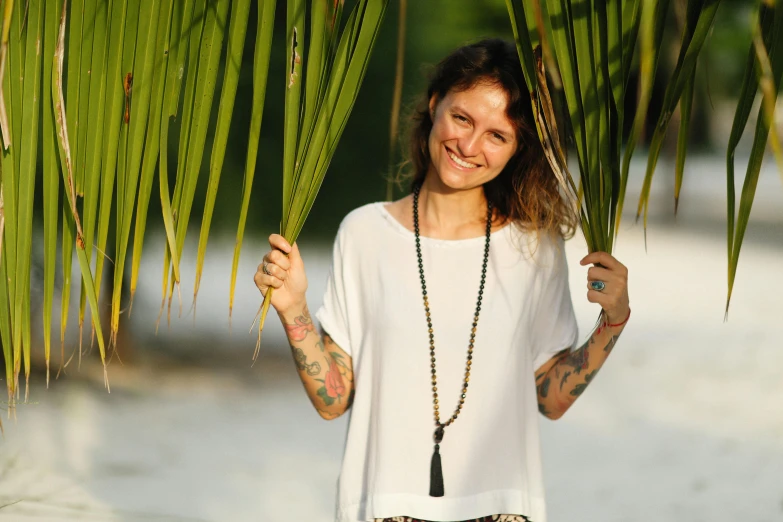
(436, 470)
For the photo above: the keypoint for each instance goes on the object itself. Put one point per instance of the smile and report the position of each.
(459, 162)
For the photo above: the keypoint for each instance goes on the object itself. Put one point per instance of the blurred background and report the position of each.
(684, 423)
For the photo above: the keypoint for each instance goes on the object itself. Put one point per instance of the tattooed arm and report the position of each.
(325, 369)
(562, 379)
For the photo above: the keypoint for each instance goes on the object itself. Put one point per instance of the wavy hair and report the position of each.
(526, 191)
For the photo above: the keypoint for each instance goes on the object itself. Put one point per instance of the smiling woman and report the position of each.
(470, 137)
(483, 198)
(477, 115)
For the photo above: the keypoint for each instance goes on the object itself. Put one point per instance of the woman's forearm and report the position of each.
(564, 382)
(325, 370)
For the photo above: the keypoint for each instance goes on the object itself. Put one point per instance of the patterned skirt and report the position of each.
(492, 518)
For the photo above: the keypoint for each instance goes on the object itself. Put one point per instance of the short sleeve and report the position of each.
(333, 313)
(555, 327)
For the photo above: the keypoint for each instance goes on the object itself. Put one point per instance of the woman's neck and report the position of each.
(451, 213)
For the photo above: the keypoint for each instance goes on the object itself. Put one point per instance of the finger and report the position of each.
(295, 257)
(603, 259)
(267, 280)
(257, 280)
(279, 242)
(613, 290)
(594, 296)
(596, 273)
(275, 271)
(279, 259)
(610, 289)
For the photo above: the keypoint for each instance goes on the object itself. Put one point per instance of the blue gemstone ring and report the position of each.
(597, 285)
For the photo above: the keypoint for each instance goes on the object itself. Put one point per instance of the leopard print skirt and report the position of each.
(492, 518)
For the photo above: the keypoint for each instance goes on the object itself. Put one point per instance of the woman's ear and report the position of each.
(433, 104)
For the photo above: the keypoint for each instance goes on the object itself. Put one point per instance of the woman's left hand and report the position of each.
(614, 296)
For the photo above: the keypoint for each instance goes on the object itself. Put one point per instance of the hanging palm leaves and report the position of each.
(594, 44)
(336, 63)
(106, 131)
(764, 71)
(699, 18)
(260, 69)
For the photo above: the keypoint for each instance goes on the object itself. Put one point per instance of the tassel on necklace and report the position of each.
(436, 474)
(436, 470)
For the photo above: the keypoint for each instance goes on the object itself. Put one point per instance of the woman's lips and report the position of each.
(449, 154)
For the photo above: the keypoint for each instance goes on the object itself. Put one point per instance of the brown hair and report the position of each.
(526, 191)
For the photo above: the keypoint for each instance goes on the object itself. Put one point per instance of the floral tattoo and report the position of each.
(333, 387)
(303, 325)
(312, 369)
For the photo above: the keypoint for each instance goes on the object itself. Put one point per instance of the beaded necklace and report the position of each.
(436, 470)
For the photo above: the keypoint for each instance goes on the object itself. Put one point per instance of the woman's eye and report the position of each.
(499, 137)
(459, 117)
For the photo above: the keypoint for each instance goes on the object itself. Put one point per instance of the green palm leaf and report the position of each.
(134, 130)
(700, 16)
(304, 167)
(772, 39)
(113, 117)
(240, 11)
(152, 139)
(91, 136)
(28, 148)
(652, 20)
(51, 187)
(686, 108)
(266, 19)
(72, 217)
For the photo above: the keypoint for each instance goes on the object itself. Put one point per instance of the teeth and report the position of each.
(461, 163)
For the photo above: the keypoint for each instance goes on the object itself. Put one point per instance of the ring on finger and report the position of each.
(265, 268)
(598, 286)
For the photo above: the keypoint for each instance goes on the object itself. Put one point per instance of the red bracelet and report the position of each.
(620, 324)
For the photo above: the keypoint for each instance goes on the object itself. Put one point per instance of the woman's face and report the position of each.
(471, 139)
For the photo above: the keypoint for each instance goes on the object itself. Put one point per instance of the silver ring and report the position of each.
(598, 286)
(265, 269)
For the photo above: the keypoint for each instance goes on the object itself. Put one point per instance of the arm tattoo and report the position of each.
(543, 388)
(333, 386)
(312, 369)
(582, 386)
(579, 358)
(574, 363)
(563, 380)
(612, 342)
(303, 325)
(326, 414)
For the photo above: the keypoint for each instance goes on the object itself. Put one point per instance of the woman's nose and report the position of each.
(468, 144)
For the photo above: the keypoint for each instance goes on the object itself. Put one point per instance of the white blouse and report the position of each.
(373, 309)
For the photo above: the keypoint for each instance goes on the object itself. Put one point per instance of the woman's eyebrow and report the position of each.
(458, 108)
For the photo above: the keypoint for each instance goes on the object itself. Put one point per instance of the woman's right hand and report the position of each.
(285, 273)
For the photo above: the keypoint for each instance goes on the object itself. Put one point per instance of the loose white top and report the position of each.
(373, 309)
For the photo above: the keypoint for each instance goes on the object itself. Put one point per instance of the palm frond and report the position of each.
(266, 18)
(768, 35)
(338, 75)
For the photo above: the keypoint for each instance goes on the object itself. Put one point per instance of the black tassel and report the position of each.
(436, 474)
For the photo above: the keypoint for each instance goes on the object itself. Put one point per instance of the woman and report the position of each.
(474, 256)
